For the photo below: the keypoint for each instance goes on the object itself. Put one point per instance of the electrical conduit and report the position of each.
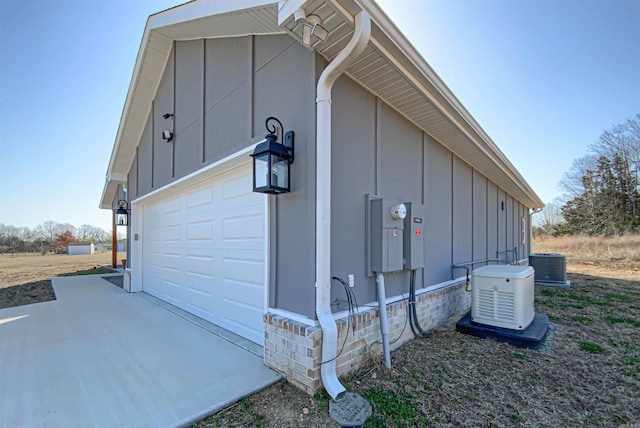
(382, 313)
(345, 58)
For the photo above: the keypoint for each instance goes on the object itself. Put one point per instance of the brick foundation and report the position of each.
(294, 349)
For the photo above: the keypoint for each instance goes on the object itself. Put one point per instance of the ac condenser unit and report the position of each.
(502, 296)
(549, 268)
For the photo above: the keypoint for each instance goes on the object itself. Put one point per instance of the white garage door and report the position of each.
(204, 251)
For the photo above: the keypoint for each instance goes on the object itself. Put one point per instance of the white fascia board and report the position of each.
(108, 193)
(112, 181)
(200, 9)
(286, 8)
(130, 95)
(117, 177)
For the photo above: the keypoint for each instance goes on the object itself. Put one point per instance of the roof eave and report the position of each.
(112, 181)
(395, 72)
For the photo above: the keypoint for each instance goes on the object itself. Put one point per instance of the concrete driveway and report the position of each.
(98, 356)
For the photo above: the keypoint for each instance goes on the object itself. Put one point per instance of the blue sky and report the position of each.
(543, 78)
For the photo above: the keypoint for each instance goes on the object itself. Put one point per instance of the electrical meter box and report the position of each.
(414, 236)
(387, 225)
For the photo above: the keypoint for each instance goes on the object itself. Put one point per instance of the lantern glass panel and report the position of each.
(261, 167)
(280, 172)
(121, 217)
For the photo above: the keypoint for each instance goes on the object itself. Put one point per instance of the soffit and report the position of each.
(392, 69)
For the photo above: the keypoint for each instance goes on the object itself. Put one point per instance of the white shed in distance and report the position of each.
(81, 248)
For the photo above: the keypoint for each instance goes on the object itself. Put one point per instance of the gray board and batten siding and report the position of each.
(221, 91)
(378, 151)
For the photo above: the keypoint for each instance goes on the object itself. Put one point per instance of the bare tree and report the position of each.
(47, 230)
(107, 240)
(572, 180)
(603, 188)
(10, 239)
(68, 227)
(84, 232)
(25, 234)
(7, 231)
(42, 237)
(99, 234)
(621, 140)
(50, 229)
(89, 233)
(550, 217)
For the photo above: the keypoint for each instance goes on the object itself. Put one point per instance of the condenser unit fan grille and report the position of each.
(549, 267)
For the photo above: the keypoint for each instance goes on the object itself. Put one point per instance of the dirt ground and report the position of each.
(587, 374)
(26, 279)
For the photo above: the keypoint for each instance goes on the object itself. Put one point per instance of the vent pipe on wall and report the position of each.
(345, 58)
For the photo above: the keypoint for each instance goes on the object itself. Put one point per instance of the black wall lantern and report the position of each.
(122, 213)
(272, 161)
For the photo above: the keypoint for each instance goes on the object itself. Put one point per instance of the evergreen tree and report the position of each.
(608, 200)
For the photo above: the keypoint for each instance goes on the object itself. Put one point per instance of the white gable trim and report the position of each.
(199, 9)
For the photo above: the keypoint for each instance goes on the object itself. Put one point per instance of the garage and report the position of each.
(203, 250)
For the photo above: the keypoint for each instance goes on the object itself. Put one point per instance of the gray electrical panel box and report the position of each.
(414, 236)
(387, 225)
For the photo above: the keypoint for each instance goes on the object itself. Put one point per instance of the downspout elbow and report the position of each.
(345, 58)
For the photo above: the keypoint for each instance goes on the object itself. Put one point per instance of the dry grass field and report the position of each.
(26, 278)
(615, 257)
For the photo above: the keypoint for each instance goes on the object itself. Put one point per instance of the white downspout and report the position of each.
(345, 58)
(531, 213)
